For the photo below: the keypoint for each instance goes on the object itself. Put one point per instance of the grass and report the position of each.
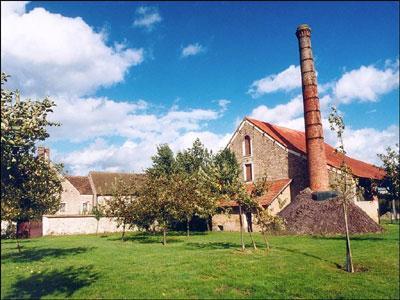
(201, 266)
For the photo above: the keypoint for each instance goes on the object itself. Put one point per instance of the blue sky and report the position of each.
(129, 75)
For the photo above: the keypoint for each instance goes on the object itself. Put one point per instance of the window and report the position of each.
(62, 207)
(84, 207)
(247, 145)
(249, 172)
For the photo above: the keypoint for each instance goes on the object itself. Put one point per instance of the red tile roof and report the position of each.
(275, 188)
(81, 183)
(295, 140)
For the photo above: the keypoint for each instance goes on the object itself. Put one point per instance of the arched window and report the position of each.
(247, 146)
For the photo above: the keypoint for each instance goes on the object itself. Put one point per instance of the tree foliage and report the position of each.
(193, 164)
(98, 213)
(264, 219)
(159, 190)
(30, 185)
(124, 204)
(391, 164)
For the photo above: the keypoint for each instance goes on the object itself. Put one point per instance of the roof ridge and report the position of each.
(286, 137)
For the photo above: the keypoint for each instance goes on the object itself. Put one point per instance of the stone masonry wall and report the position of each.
(230, 222)
(64, 225)
(73, 200)
(266, 156)
(269, 158)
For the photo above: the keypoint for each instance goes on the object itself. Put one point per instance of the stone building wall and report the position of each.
(230, 222)
(74, 200)
(269, 158)
(266, 156)
(64, 225)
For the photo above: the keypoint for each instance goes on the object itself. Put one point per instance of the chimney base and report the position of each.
(325, 195)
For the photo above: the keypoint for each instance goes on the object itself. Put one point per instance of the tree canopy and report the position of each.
(30, 185)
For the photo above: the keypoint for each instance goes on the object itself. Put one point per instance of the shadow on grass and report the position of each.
(14, 241)
(52, 283)
(212, 245)
(353, 238)
(145, 238)
(34, 254)
(308, 255)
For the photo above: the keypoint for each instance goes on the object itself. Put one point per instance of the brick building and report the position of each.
(301, 159)
(280, 153)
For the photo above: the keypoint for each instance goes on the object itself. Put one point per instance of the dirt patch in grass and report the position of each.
(357, 268)
(306, 216)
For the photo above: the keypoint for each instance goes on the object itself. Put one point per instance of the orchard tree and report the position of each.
(123, 204)
(231, 186)
(190, 164)
(265, 220)
(157, 192)
(30, 185)
(391, 164)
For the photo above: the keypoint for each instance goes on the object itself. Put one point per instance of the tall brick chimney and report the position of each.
(316, 159)
(43, 152)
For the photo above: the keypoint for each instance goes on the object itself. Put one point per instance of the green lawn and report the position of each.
(202, 266)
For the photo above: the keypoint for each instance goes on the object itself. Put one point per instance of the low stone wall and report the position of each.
(370, 208)
(5, 226)
(228, 222)
(77, 224)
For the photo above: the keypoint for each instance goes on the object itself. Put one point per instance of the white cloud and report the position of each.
(140, 130)
(147, 17)
(47, 53)
(132, 156)
(366, 83)
(88, 118)
(192, 49)
(280, 113)
(362, 144)
(223, 103)
(12, 7)
(286, 80)
(104, 118)
(365, 143)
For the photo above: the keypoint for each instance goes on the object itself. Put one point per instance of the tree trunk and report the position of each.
(187, 226)
(394, 210)
(263, 233)
(252, 240)
(208, 223)
(241, 227)
(123, 232)
(349, 260)
(165, 235)
(250, 230)
(18, 245)
(97, 227)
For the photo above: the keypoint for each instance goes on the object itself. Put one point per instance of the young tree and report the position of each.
(98, 213)
(390, 161)
(30, 185)
(345, 184)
